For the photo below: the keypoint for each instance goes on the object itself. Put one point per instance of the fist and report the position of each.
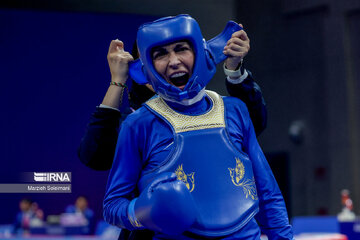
(118, 60)
(166, 206)
(236, 48)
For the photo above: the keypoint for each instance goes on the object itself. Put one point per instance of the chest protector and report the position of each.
(219, 176)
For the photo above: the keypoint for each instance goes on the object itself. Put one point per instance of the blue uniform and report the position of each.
(146, 140)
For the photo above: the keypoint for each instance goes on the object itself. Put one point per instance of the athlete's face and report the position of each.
(174, 62)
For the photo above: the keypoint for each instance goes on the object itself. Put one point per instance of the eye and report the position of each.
(159, 53)
(182, 48)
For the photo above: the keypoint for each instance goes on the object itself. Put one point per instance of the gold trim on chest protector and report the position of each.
(214, 118)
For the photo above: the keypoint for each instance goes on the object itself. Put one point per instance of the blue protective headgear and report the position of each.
(168, 30)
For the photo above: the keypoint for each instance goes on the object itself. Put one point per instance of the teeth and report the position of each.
(175, 75)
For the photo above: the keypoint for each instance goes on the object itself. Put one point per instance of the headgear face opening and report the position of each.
(168, 30)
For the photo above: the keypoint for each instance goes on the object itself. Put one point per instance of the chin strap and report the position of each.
(215, 47)
(186, 102)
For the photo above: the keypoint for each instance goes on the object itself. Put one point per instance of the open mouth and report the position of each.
(179, 79)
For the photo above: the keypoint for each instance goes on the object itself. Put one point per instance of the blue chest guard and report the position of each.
(219, 177)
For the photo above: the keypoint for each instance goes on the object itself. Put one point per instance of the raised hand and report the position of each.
(118, 60)
(236, 49)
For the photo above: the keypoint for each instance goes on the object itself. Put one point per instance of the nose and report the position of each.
(174, 60)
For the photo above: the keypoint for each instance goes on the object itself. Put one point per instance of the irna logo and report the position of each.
(52, 177)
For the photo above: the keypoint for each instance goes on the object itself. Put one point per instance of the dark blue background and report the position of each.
(53, 72)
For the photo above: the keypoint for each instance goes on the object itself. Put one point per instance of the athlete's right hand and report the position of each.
(166, 206)
(118, 60)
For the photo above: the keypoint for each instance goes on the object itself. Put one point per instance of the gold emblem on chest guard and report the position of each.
(188, 179)
(248, 185)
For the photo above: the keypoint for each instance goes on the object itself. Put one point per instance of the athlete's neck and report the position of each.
(197, 108)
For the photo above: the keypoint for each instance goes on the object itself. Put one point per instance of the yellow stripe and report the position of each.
(214, 118)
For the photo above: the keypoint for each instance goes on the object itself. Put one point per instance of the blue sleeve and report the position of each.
(123, 177)
(272, 216)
